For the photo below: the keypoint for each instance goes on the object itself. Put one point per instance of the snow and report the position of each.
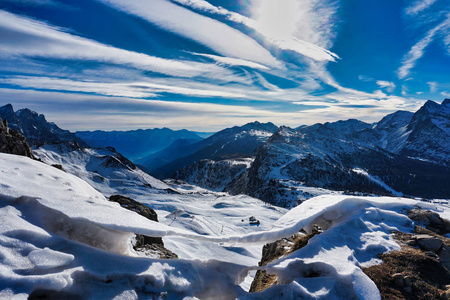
(59, 233)
(378, 181)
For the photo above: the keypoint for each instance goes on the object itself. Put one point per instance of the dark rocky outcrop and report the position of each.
(12, 142)
(150, 245)
(35, 128)
(275, 250)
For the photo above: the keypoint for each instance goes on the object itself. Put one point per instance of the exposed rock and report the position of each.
(11, 141)
(152, 246)
(135, 206)
(428, 242)
(444, 256)
(275, 250)
(429, 219)
(58, 166)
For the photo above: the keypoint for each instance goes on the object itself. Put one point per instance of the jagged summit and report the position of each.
(36, 129)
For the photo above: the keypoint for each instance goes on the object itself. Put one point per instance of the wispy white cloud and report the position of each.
(119, 89)
(26, 37)
(418, 50)
(418, 6)
(388, 85)
(433, 86)
(232, 61)
(305, 26)
(223, 39)
(365, 78)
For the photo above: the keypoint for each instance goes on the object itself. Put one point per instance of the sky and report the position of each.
(207, 64)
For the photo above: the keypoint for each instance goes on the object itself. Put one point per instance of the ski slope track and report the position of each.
(58, 233)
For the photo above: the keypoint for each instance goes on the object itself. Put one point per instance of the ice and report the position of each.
(48, 259)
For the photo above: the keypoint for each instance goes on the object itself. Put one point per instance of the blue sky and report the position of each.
(206, 65)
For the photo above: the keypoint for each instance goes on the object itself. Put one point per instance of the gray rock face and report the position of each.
(35, 127)
(150, 245)
(135, 206)
(11, 141)
(429, 243)
(429, 219)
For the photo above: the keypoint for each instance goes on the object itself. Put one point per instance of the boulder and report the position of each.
(428, 243)
(152, 246)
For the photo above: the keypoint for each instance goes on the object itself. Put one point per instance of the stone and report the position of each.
(407, 289)
(408, 280)
(398, 279)
(428, 243)
(12, 142)
(444, 257)
(153, 246)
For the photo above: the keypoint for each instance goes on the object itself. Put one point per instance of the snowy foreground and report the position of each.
(59, 233)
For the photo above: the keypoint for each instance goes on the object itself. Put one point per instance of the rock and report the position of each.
(12, 142)
(444, 257)
(429, 219)
(408, 281)
(135, 206)
(152, 246)
(445, 295)
(428, 243)
(407, 289)
(398, 279)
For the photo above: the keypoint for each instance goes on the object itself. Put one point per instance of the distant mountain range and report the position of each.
(35, 127)
(405, 153)
(136, 144)
(235, 142)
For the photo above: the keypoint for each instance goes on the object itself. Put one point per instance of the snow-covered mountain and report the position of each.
(35, 127)
(136, 144)
(404, 153)
(235, 142)
(429, 133)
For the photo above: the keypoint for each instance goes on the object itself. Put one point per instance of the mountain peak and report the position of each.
(446, 102)
(7, 111)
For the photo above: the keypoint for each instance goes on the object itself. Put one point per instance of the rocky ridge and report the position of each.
(11, 141)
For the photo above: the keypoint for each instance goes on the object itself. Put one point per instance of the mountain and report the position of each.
(35, 127)
(404, 153)
(11, 141)
(429, 133)
(213, 175)
(238, 141)
(136, 144)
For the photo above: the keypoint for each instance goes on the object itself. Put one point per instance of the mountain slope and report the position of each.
(238, 141)
(404, 153)
(35, 127)
(136, 144)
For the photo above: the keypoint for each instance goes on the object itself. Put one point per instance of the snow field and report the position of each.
(59, 233)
